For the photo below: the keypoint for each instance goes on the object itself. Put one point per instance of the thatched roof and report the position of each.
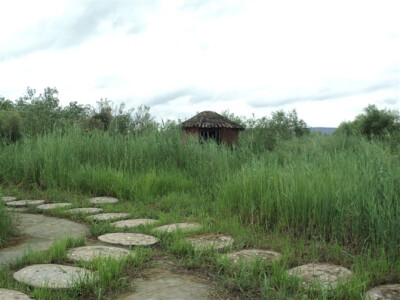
(210, 119)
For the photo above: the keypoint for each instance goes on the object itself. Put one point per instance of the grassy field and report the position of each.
(315, 199)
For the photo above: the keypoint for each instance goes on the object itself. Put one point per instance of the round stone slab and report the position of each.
(130, 223)
(12, 295)
(250, 255)
(326, 274)
(384, 292)
(178, 226)
(53, 206)
(8, 198)
(103, 200)
(108, 216)
(128, 239)
(53, 276)
(85, 210)
(210, 241)
(20, 203)
(88, 253)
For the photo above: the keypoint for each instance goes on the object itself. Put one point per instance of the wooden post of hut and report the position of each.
(210, 125)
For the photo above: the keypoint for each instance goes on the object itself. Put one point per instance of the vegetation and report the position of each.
(314, 198)
(7, 230)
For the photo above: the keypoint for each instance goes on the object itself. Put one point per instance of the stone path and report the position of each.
(12, 295)
(40, 231)
(161, 282)
(165, 282)
(53, 276)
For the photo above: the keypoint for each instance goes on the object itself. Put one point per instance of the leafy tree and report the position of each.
(372, 123)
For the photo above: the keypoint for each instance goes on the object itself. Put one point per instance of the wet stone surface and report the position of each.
(108, 216)
(53, 206)
(131, 223)
(20, 203)
(250, 255)
(12, 295)
(384, 292)
(128, 239)
(85, 210)
(53, 276)
(210, 241)
(178, 227)
(88, 253)
(41, 232)
(103, 200)
(8, 198)
(325, 274)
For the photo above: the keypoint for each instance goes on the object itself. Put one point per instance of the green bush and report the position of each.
(10, 126)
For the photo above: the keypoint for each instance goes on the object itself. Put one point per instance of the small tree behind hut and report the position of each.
(209, 125)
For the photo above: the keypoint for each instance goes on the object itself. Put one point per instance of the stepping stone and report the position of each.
(131, 223)
(53, 276)
(178, 226)
(85, 210)
(88, 253)
(13, 295)
(41, 232)
(128, 239)
(384, 292)
(52, 206)
(103, 200)
(326, 274)
(20, 203)
(250, 255)
(210, 241)
(168, 286)
(8, 198)
(108, 216)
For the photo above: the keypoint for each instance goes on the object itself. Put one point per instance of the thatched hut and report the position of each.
(210, 125)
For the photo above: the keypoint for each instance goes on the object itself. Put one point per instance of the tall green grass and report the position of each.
(328, 188)
(7, 230)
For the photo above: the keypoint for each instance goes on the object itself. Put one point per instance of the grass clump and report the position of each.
(7, 227)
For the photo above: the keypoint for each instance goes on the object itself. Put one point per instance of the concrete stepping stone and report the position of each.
(178, 226)
(210, 241)
(325, 274)
(384, 292)
(12, 295)
(131, 223)
(128, 239)
(20, 203)
(103, 200)
(53, 276)
(250, 255)
(108, 216)
(88, 253)
(169, 287)
(41, 232)
(85, 210)
(53, 206)
(8, 198)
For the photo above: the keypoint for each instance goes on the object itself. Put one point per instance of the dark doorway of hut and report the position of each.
(210, 134)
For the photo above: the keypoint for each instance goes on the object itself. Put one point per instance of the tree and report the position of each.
(372, 123)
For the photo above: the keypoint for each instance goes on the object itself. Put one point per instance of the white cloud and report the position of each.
(327, 59)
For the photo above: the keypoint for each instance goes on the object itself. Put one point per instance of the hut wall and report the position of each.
(229, 136)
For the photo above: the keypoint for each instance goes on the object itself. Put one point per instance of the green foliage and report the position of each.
(373, 123)
(10, 126)
(7, 228)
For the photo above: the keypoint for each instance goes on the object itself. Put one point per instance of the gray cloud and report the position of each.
(196, 95)
(75, 28)
(333, 91)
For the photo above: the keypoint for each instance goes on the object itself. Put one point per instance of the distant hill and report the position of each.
(323, 130)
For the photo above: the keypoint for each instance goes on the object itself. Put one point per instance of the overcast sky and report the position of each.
(326, 59)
